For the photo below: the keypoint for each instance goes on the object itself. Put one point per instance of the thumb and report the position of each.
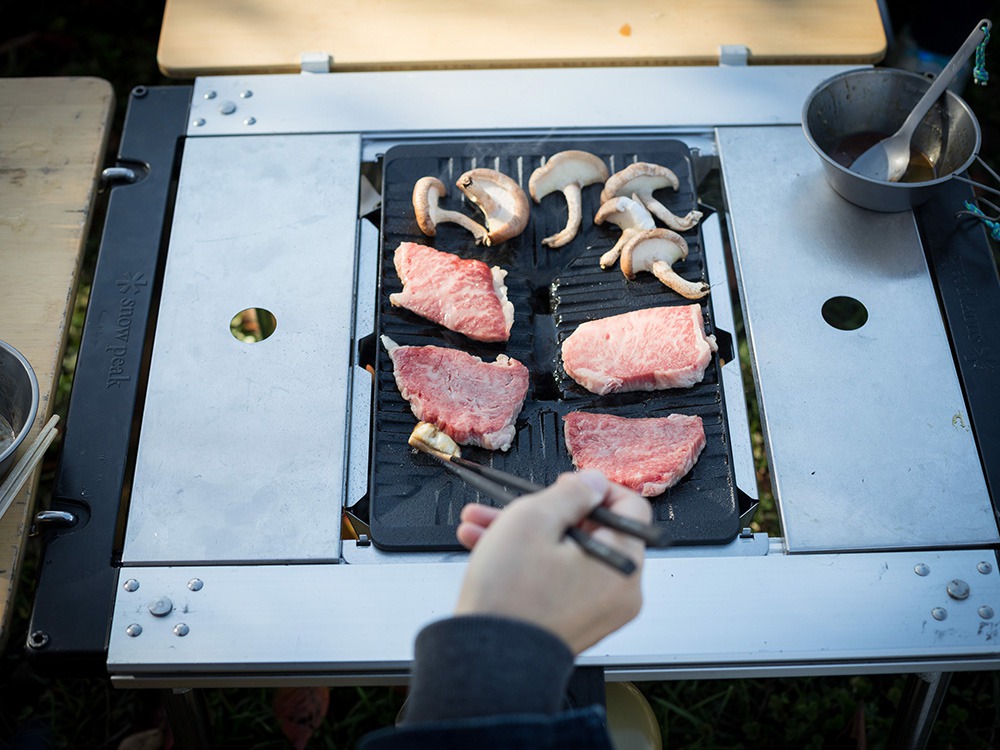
(574, 495)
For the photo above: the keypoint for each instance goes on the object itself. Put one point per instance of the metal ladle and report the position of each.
(888, 159)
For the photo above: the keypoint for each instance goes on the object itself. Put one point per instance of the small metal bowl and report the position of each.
(877, 100)
(18, 403)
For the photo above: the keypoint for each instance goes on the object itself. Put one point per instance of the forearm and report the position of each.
(475, 666)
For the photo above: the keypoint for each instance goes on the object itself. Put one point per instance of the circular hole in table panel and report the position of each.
(845, 313)
(252, 325)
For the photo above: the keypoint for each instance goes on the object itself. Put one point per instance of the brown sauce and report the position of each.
(920, 168)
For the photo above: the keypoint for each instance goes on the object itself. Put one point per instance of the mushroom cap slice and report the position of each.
(569, 172)
(655, 251)
(630, 215)
(501, 200)
(566, 168)
(427, 192)
(626, 213)
(641, 178)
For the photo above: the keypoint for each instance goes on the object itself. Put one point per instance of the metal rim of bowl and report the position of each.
(23, 432)
(889, 185)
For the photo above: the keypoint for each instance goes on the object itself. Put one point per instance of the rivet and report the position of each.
(958, 590)
(246, 94)
(139, 91)
(986, 612)
(131, 585)
(161, 607)
(921, 569)
(985, 568)
(195, 584)
(939, 613)
(210, 94)
(250, 121)
(181, 629)
(38, 639)
(199, 122)
(227, 108)
(134, 629)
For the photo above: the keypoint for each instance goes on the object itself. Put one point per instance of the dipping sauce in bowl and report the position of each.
(920, 168)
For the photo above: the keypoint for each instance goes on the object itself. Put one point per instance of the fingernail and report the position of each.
(596, 480)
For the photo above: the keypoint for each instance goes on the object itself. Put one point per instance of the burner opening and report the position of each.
(845, 313)
(252, 325)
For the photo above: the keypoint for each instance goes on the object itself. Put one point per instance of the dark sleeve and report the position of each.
(478, 665)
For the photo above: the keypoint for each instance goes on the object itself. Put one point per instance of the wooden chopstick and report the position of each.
(23, 468)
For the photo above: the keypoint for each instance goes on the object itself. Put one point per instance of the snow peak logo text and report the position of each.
(130, 284)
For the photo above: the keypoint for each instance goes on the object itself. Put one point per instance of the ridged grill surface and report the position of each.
(414, 503)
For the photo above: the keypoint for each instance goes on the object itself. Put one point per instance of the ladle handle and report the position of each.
(945, 76)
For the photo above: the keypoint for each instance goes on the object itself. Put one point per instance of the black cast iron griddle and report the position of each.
(413, 503)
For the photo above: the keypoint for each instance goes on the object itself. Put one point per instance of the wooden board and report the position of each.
(209, 37)
(53, 134)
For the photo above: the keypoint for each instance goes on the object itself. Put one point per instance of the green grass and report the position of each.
(116, 40)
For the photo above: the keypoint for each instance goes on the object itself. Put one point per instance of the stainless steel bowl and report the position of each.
(18, 403)
(877, 100)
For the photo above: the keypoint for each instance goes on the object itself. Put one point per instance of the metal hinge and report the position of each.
(734, 54)
(315, 62)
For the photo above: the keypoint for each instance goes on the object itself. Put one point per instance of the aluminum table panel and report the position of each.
(874, 611)
(507, 100)
(242, 449)
(867, 433)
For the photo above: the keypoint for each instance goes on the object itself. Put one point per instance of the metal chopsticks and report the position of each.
(499, 485)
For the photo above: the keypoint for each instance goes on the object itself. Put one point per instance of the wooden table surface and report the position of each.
(53, 136)
(209, 37)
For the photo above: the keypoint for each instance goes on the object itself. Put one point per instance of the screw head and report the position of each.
(921, 569)
(958, 590)
(985, 568)
(195, 584)
(161, 607)
(939, 613)
(180, 629)
(131, 585)
(134, 630)
(986, 612)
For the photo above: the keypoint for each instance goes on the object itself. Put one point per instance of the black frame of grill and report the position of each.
(413, 504)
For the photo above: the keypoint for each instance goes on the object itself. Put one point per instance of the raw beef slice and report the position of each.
(475, 402)
(466, 296)
(648, 455)
(645, 350)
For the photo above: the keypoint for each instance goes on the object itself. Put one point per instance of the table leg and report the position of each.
(922, 697)
(187, 715)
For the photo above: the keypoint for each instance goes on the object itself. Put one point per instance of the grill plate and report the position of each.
(414, 505)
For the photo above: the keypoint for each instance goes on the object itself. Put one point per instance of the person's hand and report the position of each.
(524, 566)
